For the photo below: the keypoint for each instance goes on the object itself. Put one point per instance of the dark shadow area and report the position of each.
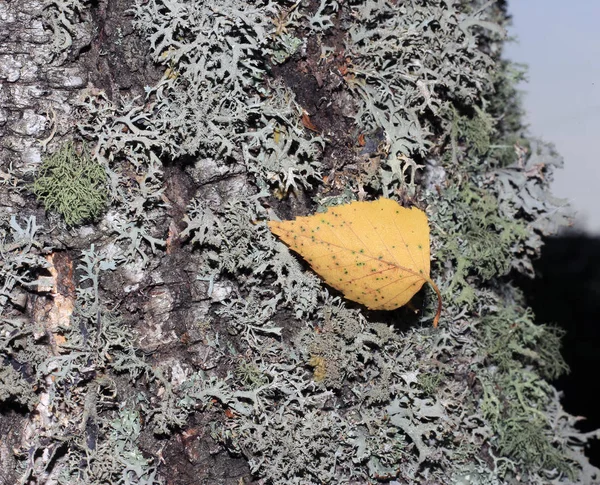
(566, 292)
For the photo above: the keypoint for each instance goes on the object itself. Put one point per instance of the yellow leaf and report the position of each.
(375, 253)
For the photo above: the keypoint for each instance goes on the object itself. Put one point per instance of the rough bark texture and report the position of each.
(39, 88)
(174, 340)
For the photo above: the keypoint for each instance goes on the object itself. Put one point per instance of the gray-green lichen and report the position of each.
(316, 390)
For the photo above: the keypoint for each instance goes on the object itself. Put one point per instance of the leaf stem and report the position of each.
(439, 308)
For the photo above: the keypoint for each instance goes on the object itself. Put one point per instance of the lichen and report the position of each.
(315, 389)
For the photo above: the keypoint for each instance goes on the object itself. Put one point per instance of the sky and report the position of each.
(560, 42)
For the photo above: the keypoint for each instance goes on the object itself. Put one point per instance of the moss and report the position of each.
(250, 376)
(72, 184)
(521, 356)
(430, 382)
(511, 338)
(476, 237)
(473, 131)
